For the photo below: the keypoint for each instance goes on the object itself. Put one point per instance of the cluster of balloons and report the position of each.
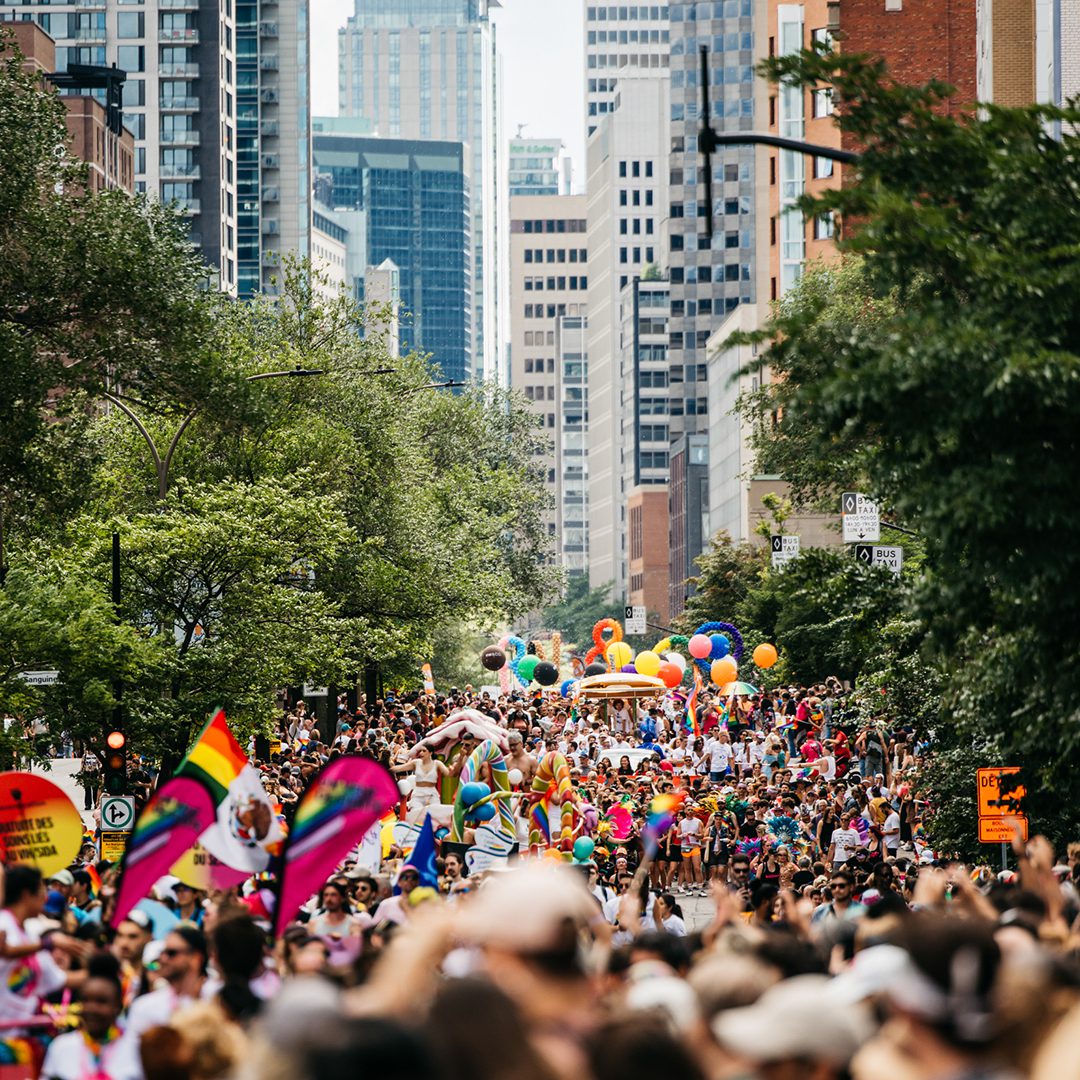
(475, 809)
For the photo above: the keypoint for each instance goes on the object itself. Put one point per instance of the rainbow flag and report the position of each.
(691, 704)
(248, 829)
(660, 818)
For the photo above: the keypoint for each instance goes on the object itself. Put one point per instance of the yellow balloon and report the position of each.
(647, 662)
(619, 654)
(724, 670)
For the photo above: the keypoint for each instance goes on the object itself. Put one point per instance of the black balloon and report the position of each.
(493, 658)
(546, 673)
(596, 669)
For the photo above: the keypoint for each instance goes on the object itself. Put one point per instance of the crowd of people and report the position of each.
(789, 919)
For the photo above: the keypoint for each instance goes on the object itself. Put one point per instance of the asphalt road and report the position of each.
(61, 772)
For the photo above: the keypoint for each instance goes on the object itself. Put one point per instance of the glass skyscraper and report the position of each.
(414, 199)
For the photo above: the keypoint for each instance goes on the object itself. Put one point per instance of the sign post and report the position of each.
(889, 556)
(634, 620)
(784, 548)
(1001, 804)
(861, 518)
(40, 678)
(117, 813)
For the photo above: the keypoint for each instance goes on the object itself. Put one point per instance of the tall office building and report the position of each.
(428, 69)
(708, 278)
(407, 201)
(627, 203)
(273, 139)
(548, 284)
(538, 167)
(179, 99)
(620, 39)
(571, 450)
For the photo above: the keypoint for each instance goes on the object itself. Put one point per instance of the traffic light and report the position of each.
(114, 779)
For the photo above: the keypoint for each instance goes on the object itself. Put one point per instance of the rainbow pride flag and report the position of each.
(691, 704)
(248, 829)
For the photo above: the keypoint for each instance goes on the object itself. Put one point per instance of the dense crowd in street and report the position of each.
(836, 941)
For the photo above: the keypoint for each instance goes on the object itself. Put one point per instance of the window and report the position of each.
(823, 227)
(823, 102)
(132, 58)
(129, 24)
(823, 168)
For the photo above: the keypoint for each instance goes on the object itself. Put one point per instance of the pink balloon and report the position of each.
(700, 646)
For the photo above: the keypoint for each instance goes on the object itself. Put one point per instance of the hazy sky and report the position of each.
(543, 68)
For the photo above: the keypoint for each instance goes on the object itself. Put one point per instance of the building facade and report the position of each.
(538, 167)
(273, 140)
(709, 277)
(571, 449)
(620, 39)
(179, 99)
(428, 69)
(626, 207)
(413, 198)
(549, 281)
(109, 155)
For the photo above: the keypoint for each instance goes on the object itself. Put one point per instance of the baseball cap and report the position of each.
(63, 877)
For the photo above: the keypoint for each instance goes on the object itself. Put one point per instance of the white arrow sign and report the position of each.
(117, 813)
(862, 521)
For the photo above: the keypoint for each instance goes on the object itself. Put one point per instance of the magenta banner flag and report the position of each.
(342, 801)
(179, 812)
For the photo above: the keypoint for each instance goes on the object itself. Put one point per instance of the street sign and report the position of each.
(117, 813)
(634, 620)
(40, 678)
(1000, 792)
(113, 845)
(886, 555)
(315, 691)
(862, 521)
(784, 548)
(999, 830)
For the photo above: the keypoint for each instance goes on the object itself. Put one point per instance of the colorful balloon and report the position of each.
(564, 689)
(628, 669)
(700, 646)
(765, 655)
(720, 646)
(647, 662)
(527, 667)
(619, 653)
(595, 669)
(584, 846)
(723, 671)
(677, 659)
(493, 658)
(670, 675)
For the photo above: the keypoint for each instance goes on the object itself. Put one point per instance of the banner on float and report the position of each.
(342, 801)
(170, 824)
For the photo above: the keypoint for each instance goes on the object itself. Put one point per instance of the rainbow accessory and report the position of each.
(216, 759)
(551, 787)
(691, 705)
(660, 818)
(487, 752)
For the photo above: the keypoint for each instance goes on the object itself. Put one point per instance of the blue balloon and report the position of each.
(720, 646)
(628, 669)
(485, 812)
(474, 792)
(565, 688)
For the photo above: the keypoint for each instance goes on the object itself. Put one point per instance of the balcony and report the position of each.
(180, 138)
(270, 161)
(270, 227)
(178, 37)
(179, 172)
(88, 34)
(189, 206)
(179, 71)
(268, 127)
(179, 104)
(268, 97)
(268, 29)
(268, 63)
(90, 3)
(178, 5)
(269, 194)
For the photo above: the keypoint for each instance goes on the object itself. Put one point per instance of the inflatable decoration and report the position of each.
(493, 658)
(765, 655)
(546, 673)
(600, 644)
(475, 802)
(701, 638)
(552, 793)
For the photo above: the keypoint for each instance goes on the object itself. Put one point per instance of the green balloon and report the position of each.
(526, 667)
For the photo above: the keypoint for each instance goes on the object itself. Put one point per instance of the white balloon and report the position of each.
(677, 659)
(515, 777)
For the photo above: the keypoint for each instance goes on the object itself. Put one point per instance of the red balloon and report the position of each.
(670, 674)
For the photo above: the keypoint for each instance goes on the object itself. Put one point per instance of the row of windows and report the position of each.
(719, 43)
(539, 365)
(719, 9)
(733, 238)
(628, 37)
(550, 225)
(555, 283)
(621, 60)
(634, 198)
(537, 255)
(634, 169)
(541, 311)
(538, 337)
(625, 253)
(692, 208)
(654, 12)
(537, 393)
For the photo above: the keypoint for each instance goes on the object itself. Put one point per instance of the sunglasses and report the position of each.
(169, 953)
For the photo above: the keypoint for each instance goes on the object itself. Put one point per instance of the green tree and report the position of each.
(580, 609)
(727, 573)
(950, 390)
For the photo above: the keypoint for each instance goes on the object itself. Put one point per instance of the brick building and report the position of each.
(110, 157)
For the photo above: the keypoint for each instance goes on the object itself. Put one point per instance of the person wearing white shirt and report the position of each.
(890, 832)
(667, 916)
(845, 842)
(182, 964)
(718, 753)
(100, 1050)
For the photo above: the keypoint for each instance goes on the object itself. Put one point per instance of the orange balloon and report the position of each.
(765, 655)
(724, 670)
